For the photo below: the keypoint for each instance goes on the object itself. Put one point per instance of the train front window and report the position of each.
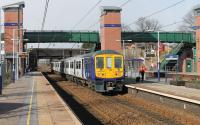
(118, 62)
(99, 62)
(109, 62)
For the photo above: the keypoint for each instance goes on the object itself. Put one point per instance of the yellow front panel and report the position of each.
(109, 70)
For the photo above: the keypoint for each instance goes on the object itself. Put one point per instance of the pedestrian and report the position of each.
(142, 72)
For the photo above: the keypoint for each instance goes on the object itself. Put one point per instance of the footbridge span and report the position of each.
(93, 37)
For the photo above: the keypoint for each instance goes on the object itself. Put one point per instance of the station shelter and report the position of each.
(132, 67)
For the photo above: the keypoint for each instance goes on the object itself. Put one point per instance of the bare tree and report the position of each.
(144, 24)
(188, 22)
(126, 27)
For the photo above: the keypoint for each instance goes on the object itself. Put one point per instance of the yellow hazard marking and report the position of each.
(30, 106)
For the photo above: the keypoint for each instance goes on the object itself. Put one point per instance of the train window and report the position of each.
(109, 62)
(71, 65)
(118, 62)
(99, 62)
(67, 65)
(77, 66)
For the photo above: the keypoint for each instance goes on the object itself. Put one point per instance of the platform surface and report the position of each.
(180, 91)
(32, 101)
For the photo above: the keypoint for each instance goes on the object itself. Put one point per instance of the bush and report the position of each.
(7, 79)
(196, 81)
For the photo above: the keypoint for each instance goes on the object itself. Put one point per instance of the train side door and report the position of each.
(109, 67)
(87, 69)
(74, 67)
(82, 68)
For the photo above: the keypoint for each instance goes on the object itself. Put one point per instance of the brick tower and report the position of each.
(197, 27)
(13, 24)
(111, 28)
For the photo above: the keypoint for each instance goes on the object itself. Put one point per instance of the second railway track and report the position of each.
(119, 109)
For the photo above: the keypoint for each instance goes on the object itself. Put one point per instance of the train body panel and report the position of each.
(103, 70)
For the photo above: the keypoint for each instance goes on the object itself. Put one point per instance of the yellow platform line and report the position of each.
(30, 106)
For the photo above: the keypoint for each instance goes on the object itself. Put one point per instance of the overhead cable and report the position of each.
(88, 12)
(159, 11)
(171, 24)
(44, 17)
(125, 3)
(94, 24)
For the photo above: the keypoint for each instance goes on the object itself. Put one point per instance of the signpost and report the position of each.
(171, 57)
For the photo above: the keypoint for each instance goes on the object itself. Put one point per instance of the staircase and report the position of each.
(176, 51)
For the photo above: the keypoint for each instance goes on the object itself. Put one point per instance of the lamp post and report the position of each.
(1, 82)
(16, 75)
(13, 62)
(158, 52)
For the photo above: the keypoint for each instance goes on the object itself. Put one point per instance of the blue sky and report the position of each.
(64, 14)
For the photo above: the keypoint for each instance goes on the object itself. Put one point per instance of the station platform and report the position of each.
(31, 100)
(175, 96)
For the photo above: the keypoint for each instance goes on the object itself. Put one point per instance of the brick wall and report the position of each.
(11, 22)
(110, 34)
(198, 44)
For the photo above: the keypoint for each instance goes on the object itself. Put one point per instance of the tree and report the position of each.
(188, 22)
(126, 27)
(143, 24)
(87, 45)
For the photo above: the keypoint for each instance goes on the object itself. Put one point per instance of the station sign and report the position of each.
(171, 57)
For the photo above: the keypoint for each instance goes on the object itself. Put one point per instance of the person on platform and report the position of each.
(142, 72)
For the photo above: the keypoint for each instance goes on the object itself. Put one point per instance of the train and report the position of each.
(102, 71)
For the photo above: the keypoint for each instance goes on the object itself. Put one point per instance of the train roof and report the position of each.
(92, 54)
(106, 52)
(100, 52)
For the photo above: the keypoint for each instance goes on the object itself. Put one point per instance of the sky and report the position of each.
(64, 14)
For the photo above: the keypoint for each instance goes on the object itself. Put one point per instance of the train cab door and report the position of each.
(109, 66)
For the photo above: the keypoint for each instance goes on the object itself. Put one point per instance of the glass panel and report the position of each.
(99, 62)
(79, 64)
(76, 65)
(109, 62)
(71, 65)
(118, 62)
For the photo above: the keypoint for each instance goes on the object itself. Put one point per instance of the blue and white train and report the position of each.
(102, 71)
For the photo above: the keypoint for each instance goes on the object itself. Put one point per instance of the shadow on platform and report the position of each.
(34, 74)
(7, 107)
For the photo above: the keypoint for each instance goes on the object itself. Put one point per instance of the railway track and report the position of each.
(120, 109)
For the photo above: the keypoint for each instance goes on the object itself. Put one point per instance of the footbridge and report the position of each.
(94, 37)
